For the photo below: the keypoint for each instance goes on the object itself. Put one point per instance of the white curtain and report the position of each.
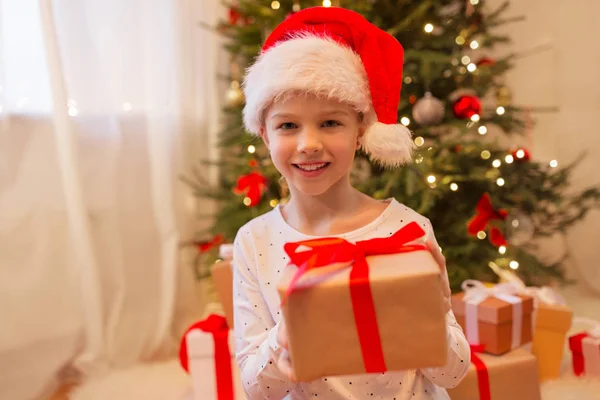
(103, 105)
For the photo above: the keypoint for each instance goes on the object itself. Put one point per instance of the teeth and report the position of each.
(311, 167)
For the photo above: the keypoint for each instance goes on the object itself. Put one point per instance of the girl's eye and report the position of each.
(331, 124)
(287, 126)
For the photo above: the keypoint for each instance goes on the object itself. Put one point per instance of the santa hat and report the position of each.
(336, 54)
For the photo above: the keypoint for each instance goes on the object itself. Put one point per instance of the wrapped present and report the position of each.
(222, 275)
(347, 306)
(497, 318)
(586, 349)
(551, 322)
(205, 354)
(512, 376)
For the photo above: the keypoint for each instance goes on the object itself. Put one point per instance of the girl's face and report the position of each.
(312, 141)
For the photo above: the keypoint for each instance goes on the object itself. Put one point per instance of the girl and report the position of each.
(326, 83)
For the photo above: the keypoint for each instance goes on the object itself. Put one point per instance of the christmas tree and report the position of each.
(486, 197)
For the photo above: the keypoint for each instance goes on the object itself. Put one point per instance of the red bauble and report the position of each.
(485, 61)
(253, 186)
(521, 155)
(467, 106)
(234, 15)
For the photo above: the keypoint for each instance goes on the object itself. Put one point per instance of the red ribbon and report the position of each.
(575, 344)
(327, 251)
(483, 377)
(205, 246)
(217, 326)
(485, 213)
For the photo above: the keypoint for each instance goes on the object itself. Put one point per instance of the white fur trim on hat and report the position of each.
(306, 64)
(389, 145)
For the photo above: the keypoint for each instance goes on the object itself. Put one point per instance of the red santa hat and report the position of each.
(336, 54)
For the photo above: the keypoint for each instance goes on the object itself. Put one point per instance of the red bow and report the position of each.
(485, 214)
(205, 246)
(483, 377)
(217, 326)
(327, 251)
(253, 185)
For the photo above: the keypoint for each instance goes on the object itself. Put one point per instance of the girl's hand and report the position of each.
(284, 364)
(441, 262)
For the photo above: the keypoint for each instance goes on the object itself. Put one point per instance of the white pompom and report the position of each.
(388, 145)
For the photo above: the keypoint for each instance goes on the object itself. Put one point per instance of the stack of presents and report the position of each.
(517, 333)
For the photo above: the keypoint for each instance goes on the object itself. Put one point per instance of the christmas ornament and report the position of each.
(503, 96)
(467, 106)
(428, 110)
(236, 17)
(519, 228)
(234, 95)
(485, 213)
(485, 62)
(204, 246)
(521, 155)
(253, 186)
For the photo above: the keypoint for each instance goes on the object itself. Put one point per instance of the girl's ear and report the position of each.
(264, 136)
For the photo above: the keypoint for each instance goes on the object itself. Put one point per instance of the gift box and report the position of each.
(205, 354)
(368, 307)
(497, 318)
(552, 322)
(222, 275)
(585, 348)
(512, 376)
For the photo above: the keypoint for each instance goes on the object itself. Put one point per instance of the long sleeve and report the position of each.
(255, 330)
(459, 357)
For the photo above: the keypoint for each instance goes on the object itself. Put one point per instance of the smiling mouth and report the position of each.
(311, 167)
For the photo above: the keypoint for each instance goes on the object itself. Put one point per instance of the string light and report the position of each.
(486, 154)
(275, 5)
(465, 60)
(431, 179)
(447, 73)
(453, 187)
(482, 130)
(474, 44)
(428, 28)
(296, 7)
(460, 40)
(500, 110)
(273, 203)
(500, 182)
(520, 153)
(73, 111)
(513, 264)
(474, 2)
(475, 117)
(126, 107)
(419, 141)
(496, 163)
(471, 67)
(247, 201)
(502, 249)
(462, 70)
(481, 235)
(326, 3)
(553, 164)
(407, 80)
(405, 121)
(509, 159)
(419, 159)
(251, 149)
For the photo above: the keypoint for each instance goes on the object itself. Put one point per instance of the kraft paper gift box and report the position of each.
(496, 318)
(222, 275)
(512, 376)
(347, 316)
(552, 322)
(207, 354)
(585, 348)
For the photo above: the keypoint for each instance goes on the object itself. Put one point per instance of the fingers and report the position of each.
(282, 337)
(285, 366)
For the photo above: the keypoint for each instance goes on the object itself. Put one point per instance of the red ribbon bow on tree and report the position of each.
(485, 214)
(217, 326)
(327, 251)
(483, 377)
(253, 185)
(205, 246)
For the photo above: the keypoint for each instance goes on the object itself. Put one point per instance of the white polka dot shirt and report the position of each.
(258, 262)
